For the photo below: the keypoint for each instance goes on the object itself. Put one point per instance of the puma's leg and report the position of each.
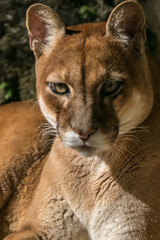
(23, 235)
(29, 235)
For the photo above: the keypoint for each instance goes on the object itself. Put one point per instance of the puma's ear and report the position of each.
(43, 25)
(127, 23)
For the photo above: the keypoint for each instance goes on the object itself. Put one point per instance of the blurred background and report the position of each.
(17, 77)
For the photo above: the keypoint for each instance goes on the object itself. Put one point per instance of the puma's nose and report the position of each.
(84, 134)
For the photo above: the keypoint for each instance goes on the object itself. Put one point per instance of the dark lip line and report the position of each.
(84, 147)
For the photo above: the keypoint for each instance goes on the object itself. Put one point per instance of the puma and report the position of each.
(98, 88)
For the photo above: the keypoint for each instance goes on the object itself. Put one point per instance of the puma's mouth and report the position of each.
(97, 142)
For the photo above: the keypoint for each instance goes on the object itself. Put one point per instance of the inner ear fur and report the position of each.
(43, 25)
(126, 23)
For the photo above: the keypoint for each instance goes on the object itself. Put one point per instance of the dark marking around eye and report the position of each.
(111, 88)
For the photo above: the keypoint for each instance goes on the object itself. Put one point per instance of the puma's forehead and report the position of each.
(77, 57)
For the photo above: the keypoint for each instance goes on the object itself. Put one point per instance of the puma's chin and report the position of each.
(86, 151)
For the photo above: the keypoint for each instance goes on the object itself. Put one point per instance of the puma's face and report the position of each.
(92, 85)
(92, 90)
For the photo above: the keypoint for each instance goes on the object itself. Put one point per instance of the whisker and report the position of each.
(121, 150)
(49, 141)
(46, 129)
(138, 129)
(124, 149)
(109, 67)
(129, 134)
(113, 149)
(35, 103)
(128, 137)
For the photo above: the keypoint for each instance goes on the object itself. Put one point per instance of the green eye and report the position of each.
(111, 87)
(59, 88)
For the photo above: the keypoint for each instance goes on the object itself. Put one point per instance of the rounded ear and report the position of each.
(43, 25)
(126, 23)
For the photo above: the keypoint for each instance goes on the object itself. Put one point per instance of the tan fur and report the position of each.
(21, 126)
(106, 186)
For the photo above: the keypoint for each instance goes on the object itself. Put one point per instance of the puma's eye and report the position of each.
(59, 88)
(111, 87)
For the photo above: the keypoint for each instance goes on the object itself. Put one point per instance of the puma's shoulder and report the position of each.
(21, 126)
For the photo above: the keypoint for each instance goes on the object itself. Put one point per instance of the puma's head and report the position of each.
(93, 80)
